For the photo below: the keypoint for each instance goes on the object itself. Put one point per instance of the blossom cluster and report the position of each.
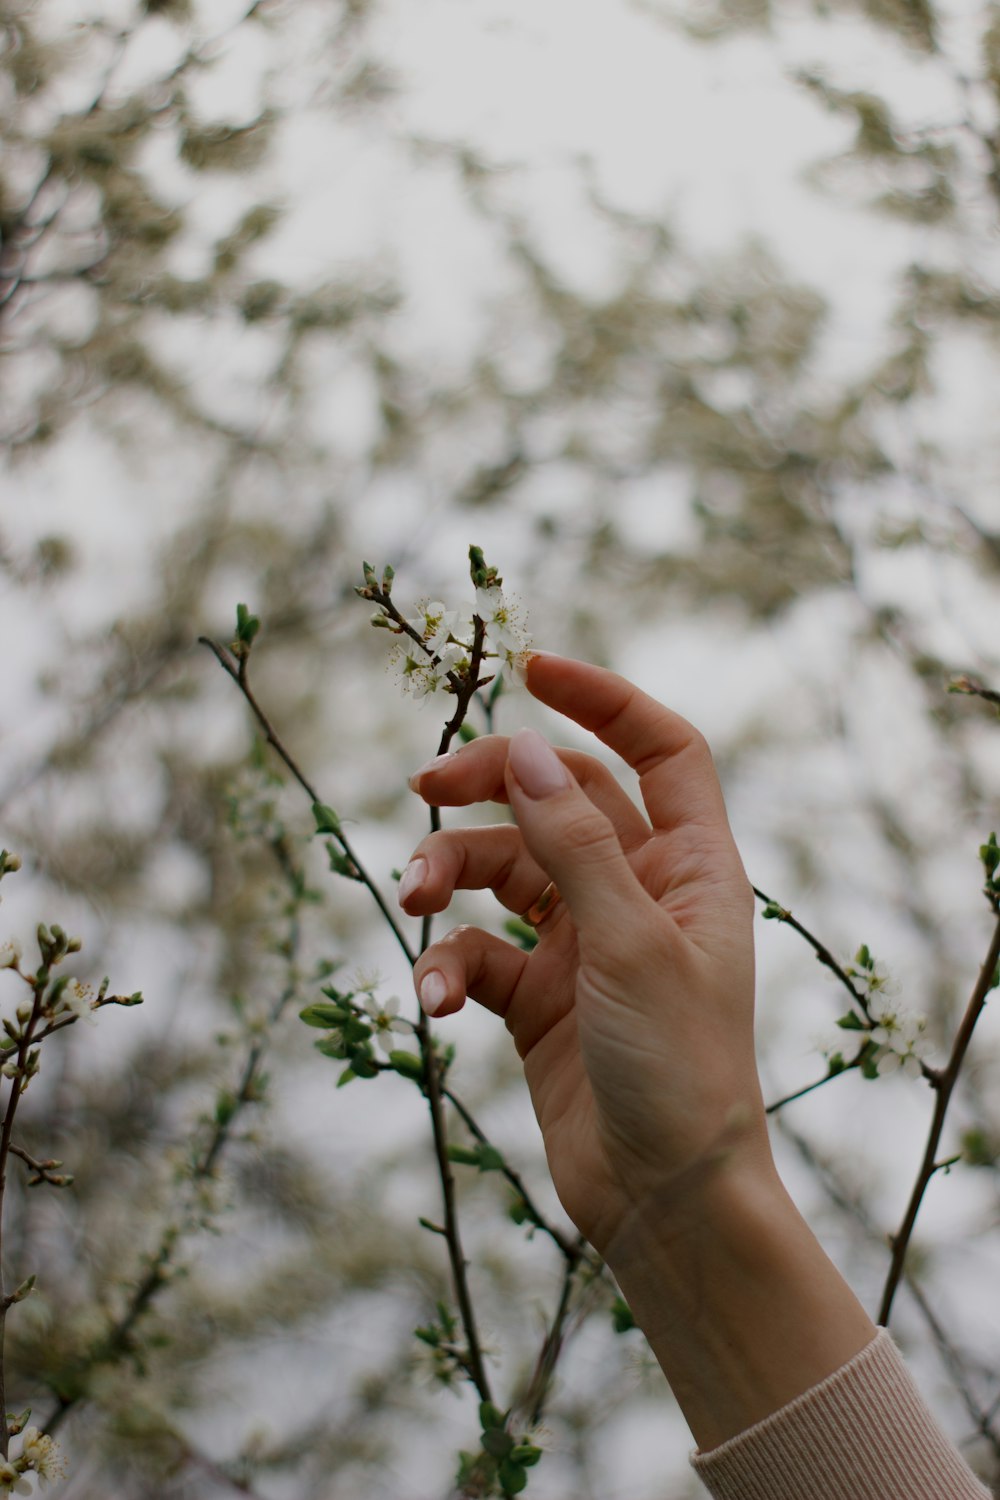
(441, 646)
(439, 649)
(896, 1038)
(39, 1455)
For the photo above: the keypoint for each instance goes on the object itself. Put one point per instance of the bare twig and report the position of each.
(781, 914)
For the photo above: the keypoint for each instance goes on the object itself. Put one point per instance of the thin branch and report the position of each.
(572, 1252)
(799, 1093)
(118, 1338)
(946, 1081)
(782, 914)
(237, 670)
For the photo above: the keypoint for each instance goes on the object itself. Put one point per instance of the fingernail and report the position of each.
(432, 765)
(412, 878)
(536, 765)
(433, 991)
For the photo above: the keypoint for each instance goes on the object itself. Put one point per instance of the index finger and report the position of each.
(677, 776)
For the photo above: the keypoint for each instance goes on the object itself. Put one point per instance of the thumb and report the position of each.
(570, 838)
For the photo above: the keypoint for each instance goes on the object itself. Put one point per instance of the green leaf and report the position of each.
(346, 1077)
(497, 1442)
(323, 1016)
(526, 1454)
(327, 820)
(489, 1159)
(835, 1064)
(512, 1477)
(466, 732)
(863, 957)
(851, 1022)
(491, 1416)
(332, 1046)
(363, 1064)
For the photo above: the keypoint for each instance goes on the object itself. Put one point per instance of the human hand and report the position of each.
(633, 1015)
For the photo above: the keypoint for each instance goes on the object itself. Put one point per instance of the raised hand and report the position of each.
(634, 1013)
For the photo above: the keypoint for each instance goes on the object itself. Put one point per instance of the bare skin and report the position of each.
(634, 1020)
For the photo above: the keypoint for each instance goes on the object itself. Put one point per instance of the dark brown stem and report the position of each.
(433, 1087)
(946, 1081)
(548, 1358)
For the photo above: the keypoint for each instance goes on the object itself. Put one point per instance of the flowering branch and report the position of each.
(944, 1084)
(235, 662)
(117, 1340)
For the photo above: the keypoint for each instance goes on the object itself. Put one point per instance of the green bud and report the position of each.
(774, 913)
(863, 957)
(408, 1064)
(247, 625)
(518, 1211)
(24, 1290)
(388, 574)
(17, 1425)
(371, 577)
(323, 1016)
(463, 1156)
(327, 820)
(340, 864)
(835, 1064)
(989, 853)
(380, 621)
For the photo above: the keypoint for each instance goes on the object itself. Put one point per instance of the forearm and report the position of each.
(739, 1302)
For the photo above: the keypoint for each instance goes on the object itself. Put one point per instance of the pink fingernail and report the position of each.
(536, 765)
(433, 991)
(412, 878)
(432, 765)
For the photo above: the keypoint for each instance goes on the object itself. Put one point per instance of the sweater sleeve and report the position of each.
(864, 1433)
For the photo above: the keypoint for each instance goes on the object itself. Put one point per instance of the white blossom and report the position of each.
(10, 954)
(898, 1034)
(12, 1482)
(78, 998)
(42, 1455)
(384, 1016)
(436, 624)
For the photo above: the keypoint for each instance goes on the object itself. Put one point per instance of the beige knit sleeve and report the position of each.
(864, 1433)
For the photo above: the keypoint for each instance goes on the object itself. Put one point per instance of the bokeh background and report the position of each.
(689, 317)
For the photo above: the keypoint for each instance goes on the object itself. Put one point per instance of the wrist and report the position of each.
(739, 1302)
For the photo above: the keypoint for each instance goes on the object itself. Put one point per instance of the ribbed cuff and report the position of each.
(864, 1433)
